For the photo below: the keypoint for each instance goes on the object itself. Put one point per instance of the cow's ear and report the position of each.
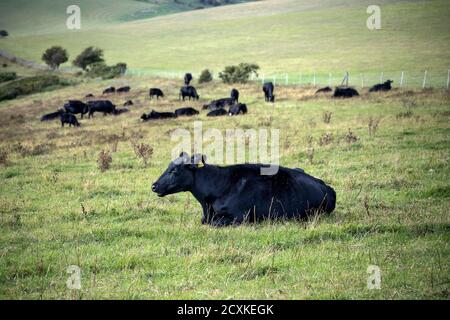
(184, 155)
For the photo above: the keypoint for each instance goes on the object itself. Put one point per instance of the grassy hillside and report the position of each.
(289, 36)
(57, 208)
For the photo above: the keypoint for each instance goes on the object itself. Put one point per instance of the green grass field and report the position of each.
(282, 36)
(393, 194)
(58, 209)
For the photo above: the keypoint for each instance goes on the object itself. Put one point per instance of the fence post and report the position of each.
(274, 80)
(314, 79)
(424, 79)
(362, 80)
(381, 77)
(401, 79)
(448, 78)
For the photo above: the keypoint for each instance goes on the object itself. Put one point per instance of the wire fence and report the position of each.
(402, 79)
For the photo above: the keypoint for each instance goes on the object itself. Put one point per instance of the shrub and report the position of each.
(3, 33)
(238, 74)
(350, 137)
(104, 160)
(88, 57)
(55, 56)
(325, 139)
(7, 76)
(30, 85)
(205, 76)
(143, 152)
(104, 71)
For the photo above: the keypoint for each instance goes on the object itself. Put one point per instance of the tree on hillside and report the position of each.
(89, 56)
(238, 74)
(55, 56)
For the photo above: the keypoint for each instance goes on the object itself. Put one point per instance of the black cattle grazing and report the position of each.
(128, 103)
(90, 95)
(190, 92)
(234, 95)
(219, 104)
(186, 112)
(156, 92)
(105, 106)
(109, 90)
(240, 193)
(382, 86)
(76, 106)
(123, 89)
(237, 109)
(119, 111)
(345, 93)
(153, 115)
(268, 89)
(324, 90)
(217, 113)
(70, 119)
(53, 115)
(187, 79)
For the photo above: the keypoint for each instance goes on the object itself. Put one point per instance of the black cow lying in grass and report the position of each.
(239, 193)
(104, 106)
(186, 112)
(219, 104)
(237, 109)
(234, 95)
(154, 115)
(53, 115)
(324, 90)
(120, 111)
(190, 92)
(217, 113)
(155, 92)
(75, 107)
(109, 90)
(123, 89)
(268, 89)
(70, 119)
(345, 93)
(128, 103)
(382, 86)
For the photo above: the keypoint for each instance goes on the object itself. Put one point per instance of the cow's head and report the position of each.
(144, 116)
(179, 176)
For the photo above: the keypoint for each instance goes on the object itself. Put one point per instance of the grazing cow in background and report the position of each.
(324, 90)
(345, 93)
(234, 95)
(190, 92)
(186, 112)
(109, 90)
(76, 106)
(187, 79)
(53, 115)
(382, 86)
(217, 113)
(268, 89)
(128, 103)
(105, 106)
(123, 89)
(153, 115)
(219, 104)
(156, 92)
(237, 109)
(239, 193)
(70, 119)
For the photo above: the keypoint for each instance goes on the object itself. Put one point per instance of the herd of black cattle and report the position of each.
(216, 107)
(234, 194)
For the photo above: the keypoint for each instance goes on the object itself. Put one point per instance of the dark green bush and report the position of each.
(55, 56)
(238, 74)
(88, 57)
(7, 76)
(205, 76)
(104, 71)
(30, 85)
